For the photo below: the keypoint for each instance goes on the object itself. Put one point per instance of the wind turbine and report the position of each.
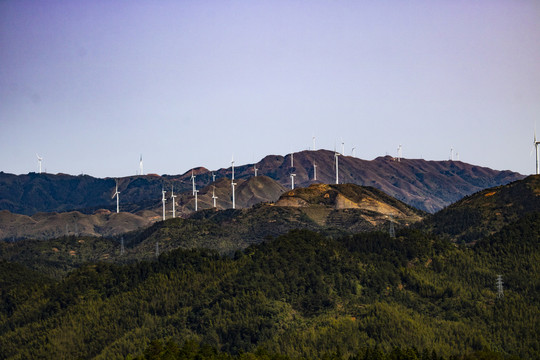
(313, 144)
(292, 181)
(196, 206)
(232, 168)
(399, 152)
(292, 159)
(117, 193)
(233, 184)
(163, 200)
(193, 181)
(451, 154)
(535, 144)
(214, 197)
(141, 166)
(233, 200)
(255, 169)
(173, 203)
(336, 154)
(213, 177)
(40, 159)
(314, 171)
(342, 148)
(352, 152)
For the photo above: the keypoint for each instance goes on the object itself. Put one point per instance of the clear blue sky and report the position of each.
(91, 85)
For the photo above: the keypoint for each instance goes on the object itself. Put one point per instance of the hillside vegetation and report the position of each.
(300, 295)
(487, 211)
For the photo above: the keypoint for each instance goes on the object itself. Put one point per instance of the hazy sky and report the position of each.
(91, 85)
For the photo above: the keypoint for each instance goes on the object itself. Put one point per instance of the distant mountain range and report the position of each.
(426, 185)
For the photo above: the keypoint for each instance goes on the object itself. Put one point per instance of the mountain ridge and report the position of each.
(427, 185)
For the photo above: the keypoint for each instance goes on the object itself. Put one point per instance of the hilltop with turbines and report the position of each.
(426, 185)
(312, 255)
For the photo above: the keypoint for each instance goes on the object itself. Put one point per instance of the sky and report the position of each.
(91, 86)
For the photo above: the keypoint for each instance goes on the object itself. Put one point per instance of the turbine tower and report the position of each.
(40, 159)
(213, 177)
(352, 152)
(117, 193)
(232, 168)
(163, 200)
(336, 154)
(193, 181)
(313, 144)
(292, 159)
(140, 166)
(314, 171)
(214, 197)
(255, 169)
(399, 152)
(292, 181)
(451, 154)
(535, 144)
(233, 200)
(233, 184)
(196, 202)
(173, 203)
(342, 148)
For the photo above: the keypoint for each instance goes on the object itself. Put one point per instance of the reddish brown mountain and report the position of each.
(426, 185)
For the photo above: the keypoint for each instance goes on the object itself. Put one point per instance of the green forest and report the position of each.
(301, 295)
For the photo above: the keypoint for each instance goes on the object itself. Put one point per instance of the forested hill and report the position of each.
(426, 185)
(301, 295)
(330, 209)
(487, 211)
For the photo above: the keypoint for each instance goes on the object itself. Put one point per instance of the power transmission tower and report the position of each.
(122, 246)
(500, 292)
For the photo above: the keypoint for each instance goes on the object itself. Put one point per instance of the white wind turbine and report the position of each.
(292, 159)
(213, 177)
(40, 159)
(163, 200)
(336, 154)
(313, 144)
(196, 201)
(255, 169)
(117, 194)
(451, 153)
(535, 148)
(141, 166)
(292, 181)
(399, 152)
(232, 168)
(352, 152)
(314, 171)
(193, 181)
(233, 184)
(342, 148)
(173, 202)
(214, 197)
